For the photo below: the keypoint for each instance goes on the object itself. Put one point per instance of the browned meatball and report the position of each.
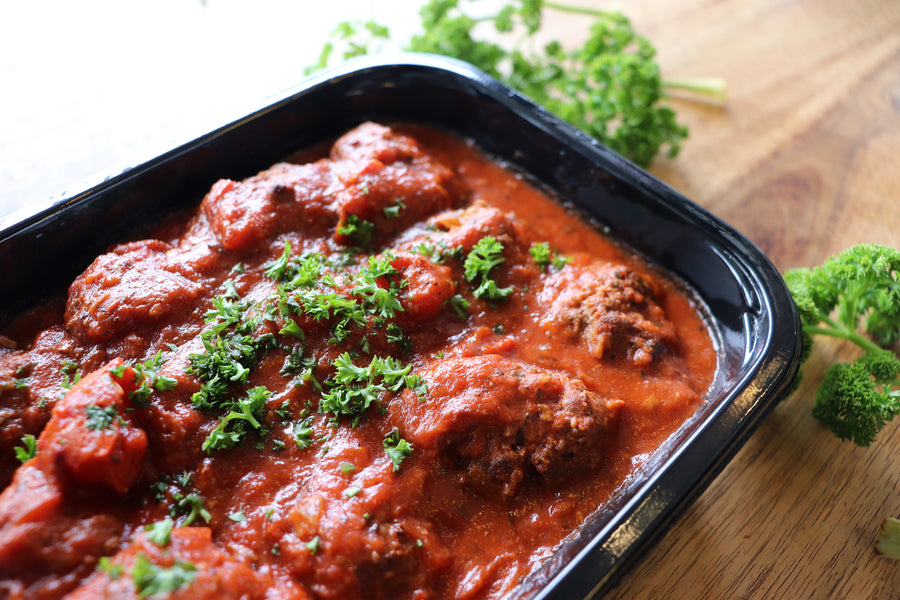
(501, 422)
(199, 570)
(611, 308)
(135, 286)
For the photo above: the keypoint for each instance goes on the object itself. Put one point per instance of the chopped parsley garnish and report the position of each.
(160, 532)
(313, 545)
(393, 211)
(28, 449)
(353, 389)
(113, 570)
(396, 448)
(99, 417)
(245, 415)
(459, 304)
(149, 379)
(228, 358)
(352, 491)
(277, 269)
(352, 301)
(544, 256)
(417, 384)
(378, 300)
(484, 256)
(185, 501)
(151, 579)
(238, 516)
(284, 412)
(71, 374)
(358, 230)
(429, 251)
(347, 468)
(303, 433)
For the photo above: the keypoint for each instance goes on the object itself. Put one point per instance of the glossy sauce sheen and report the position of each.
(535, 407)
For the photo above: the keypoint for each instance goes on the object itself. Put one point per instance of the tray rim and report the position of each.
(753, 397)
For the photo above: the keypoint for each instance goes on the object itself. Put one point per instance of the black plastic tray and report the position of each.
(749, 307)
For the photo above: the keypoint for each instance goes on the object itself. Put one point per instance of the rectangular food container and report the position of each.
(748, 306)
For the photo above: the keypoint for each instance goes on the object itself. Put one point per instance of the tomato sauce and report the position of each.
(388, 369)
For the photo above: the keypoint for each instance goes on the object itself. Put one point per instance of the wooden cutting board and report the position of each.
(805, 160)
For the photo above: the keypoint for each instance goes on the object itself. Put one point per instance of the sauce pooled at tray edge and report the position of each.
(398, 371)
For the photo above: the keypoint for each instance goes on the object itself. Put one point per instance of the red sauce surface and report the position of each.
(524, 415)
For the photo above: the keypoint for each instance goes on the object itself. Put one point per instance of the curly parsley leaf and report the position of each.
(610, 86)
(357, 230)
(230, 350)
(183, 499)
(160, 532)
(484, 256)
(28, 449)
(544, 256)
(396, 448)
(151, 579)
(149, 379)
(352, 389)
(245, 415)
(71, 374)
(857, 289)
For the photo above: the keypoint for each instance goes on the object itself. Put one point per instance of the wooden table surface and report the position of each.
(804, 159)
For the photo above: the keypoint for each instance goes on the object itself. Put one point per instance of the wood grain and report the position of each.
(804, 161)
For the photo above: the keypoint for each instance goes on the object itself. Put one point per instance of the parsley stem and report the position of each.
(711, 88)
(576, 10)
(836, 330)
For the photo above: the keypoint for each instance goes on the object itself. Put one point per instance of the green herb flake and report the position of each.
(28, 449)
(393, 211)
(71, 374)
(245, 416)
(151, 579)
(313, 545)
(303, 433)
(358, 230)
(485, 255)
(459, 304)
(238, 516)
(99, 418)
(112, 570)
(396, 448)
(160, 532)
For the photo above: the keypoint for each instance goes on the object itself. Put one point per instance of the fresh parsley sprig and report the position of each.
(610, 86)
(857, 289)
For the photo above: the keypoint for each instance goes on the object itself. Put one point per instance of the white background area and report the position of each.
(91, 86)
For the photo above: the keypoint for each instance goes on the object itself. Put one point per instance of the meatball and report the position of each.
(502, 423)
(195, 566)
(135, 286)
(282, 198)
(610, 308)
(389, 182)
